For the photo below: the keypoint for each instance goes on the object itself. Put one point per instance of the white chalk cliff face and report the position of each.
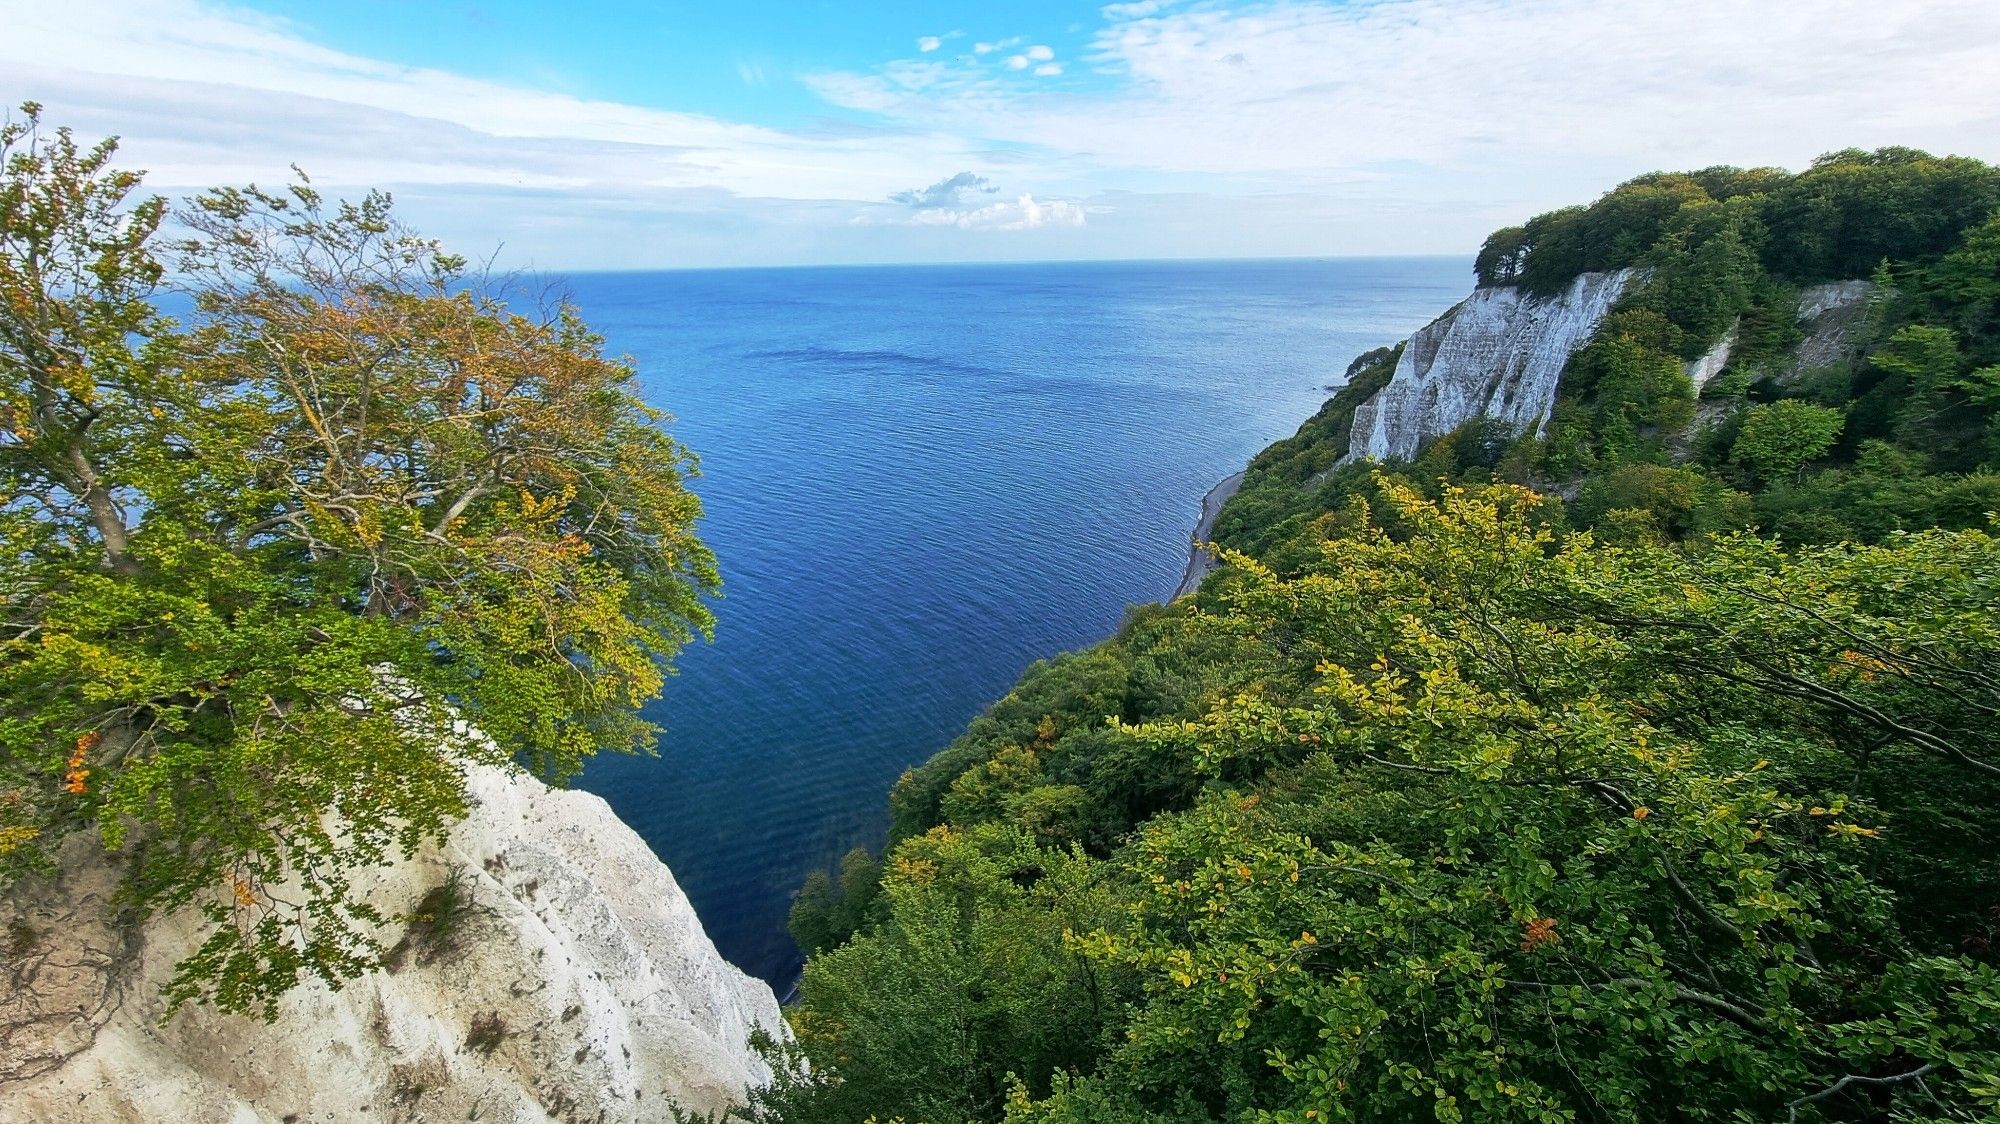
(576, 984)
(1498, 354)
(1834, 318)
(1702, 371)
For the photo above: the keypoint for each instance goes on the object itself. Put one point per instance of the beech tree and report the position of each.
(1779, 439)
(274, 576)
(1495, 823)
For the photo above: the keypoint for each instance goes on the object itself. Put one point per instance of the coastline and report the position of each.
(1200, 561)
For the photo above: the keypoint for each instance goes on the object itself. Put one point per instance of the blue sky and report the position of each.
(633, 135)
(740, 61)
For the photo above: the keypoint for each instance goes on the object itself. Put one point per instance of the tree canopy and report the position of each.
(1636, 768)
(278, 571)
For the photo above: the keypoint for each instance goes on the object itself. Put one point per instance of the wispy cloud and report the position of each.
(204, 93)
(1207, 126)
(1303, 88)
(948, 192)
(1139, 10)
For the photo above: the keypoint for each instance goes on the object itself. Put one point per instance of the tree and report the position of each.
(811, 919)
(1499, 823)
(969, 982)
(1503, 256)
(1572, 832)
(263, 569)
(1779, 439)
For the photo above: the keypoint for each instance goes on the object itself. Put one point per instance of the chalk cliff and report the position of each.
(1499, 354)
(1834, 317)
(574, 982)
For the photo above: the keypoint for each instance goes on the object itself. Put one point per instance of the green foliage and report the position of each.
(1502, 256)
(823, 914)
(1657, 502)
(1777, 440)
(970, 979)
(262, 568)
(1853, 209)
(1838, 219)
(1505, 824)
(1444, 800)
(1294, 482)
(1630, 379)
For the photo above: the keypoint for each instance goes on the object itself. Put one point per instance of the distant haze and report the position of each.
(629, 134)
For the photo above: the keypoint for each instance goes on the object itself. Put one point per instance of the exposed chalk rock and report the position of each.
(576, 984)
(1498, 354)
(1835, 319)
(1703, 370)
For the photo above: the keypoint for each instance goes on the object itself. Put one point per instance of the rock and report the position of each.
(65, 943)
(1498, 354)
(1200, 559)
(1835, 319)
(1703, 370)
(575, 983)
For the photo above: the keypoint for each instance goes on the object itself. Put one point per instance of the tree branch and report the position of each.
(1916, 1074)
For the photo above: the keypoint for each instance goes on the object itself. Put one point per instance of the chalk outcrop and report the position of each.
(1835, 319)
(575, 983)
(1498, 354)
(1702, 371)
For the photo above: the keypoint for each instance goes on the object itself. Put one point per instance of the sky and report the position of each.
(616, 134)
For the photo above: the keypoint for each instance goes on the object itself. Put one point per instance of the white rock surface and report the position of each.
(1498, 354)
(1703, 370)
(1834, 316)
(602, 997)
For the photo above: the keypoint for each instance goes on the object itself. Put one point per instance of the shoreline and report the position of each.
(1200, 561)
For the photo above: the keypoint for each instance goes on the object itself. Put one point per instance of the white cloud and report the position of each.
(948, 192)
(1304, 126)
(929, 43)
(1301, 91)
(955, 201)
(205, 94)
(1024, 213)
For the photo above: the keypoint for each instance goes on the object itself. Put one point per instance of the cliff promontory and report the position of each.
(1498, 354)
(548, 967)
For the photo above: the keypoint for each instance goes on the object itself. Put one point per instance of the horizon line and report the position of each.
(962, 262)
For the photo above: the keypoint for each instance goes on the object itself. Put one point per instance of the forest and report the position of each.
(1635, 768)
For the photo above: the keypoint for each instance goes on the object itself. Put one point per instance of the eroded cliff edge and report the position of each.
(1500, 354)
(571, 980)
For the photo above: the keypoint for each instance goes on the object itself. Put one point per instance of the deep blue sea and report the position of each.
(919, 480)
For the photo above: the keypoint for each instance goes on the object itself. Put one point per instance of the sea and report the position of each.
(921, 479)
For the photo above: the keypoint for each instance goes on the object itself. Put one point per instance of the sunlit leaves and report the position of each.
(260, 569)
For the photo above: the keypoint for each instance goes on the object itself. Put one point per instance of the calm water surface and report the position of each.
(921, 479)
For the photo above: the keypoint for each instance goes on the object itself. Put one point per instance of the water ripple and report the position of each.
(921, 479)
